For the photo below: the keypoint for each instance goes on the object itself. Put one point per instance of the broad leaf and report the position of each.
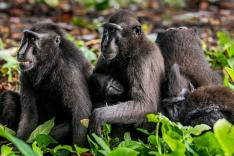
(44, 128)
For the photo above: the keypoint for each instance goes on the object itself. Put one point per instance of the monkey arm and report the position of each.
(125, 113)
(143, 101)
(29, 114)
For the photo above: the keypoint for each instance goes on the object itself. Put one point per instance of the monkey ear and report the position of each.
(137, 30)
(57, 40)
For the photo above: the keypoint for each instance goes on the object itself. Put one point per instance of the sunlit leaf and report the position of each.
(44, 128)
(101, 143)
(123, 151)
(7, 151)
(80, 150)
(224, 132)
(22, 146)
(36, 149)
(230, 72)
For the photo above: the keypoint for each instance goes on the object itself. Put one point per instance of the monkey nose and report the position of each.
(105, 44)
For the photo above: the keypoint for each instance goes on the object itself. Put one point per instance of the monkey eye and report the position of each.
(57, 39)
(137, 29)
(113, 30)
(33, 39)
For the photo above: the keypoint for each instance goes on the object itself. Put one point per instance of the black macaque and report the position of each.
(54, 83)
(130, 68)
(182, 46)
(205, 105)
(10, 109)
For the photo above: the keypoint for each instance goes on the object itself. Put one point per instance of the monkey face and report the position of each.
(110, 39)
(117, 39)
(36, 48)
(121, 34)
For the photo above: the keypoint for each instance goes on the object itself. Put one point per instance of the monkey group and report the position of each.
(133, 77)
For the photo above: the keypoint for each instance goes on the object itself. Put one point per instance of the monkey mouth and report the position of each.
(109, 56)
(25, 65)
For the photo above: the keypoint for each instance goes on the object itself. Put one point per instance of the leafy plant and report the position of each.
(104, 4)
(22, 146)
(168, 138)
(11, 66)
(44, 128)
(176, 3)
(88, 53)
(222, 57)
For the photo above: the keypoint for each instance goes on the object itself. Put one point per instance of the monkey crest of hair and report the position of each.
(131, 67)
(54, 75)
(182, 45)
(125, 18)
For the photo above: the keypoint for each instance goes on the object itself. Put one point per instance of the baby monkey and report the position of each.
(205, 105)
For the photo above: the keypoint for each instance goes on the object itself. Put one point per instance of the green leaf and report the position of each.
(101, 143)
(44, 140)
(198, 129)
(127, 136)
(80, 150)
(175, 145)
(223, 38)
(93, 145)
(52, 3)
(44, 128)
(82, 22)
(36, 149)
(224, 132)
(130, 144)
(227, 83)
(63, 147)
(103, 5)
(231, 62)
(7, 151)
(145, 131)
(152, 118)
(152, 140)
(22, 146)
(123, 151)
(230, 72)
(207, 143)
(12, 132)
(230, 50)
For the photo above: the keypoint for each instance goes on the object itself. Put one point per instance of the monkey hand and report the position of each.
(113, 88)
(96, 122)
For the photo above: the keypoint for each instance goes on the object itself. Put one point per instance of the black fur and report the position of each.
(53, 81)
(131, 60)
(205, 105)
(182, 46)
(10, 109)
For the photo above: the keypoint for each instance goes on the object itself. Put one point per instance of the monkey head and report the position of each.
(39, 45)
(121, 30)
(176, 35)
